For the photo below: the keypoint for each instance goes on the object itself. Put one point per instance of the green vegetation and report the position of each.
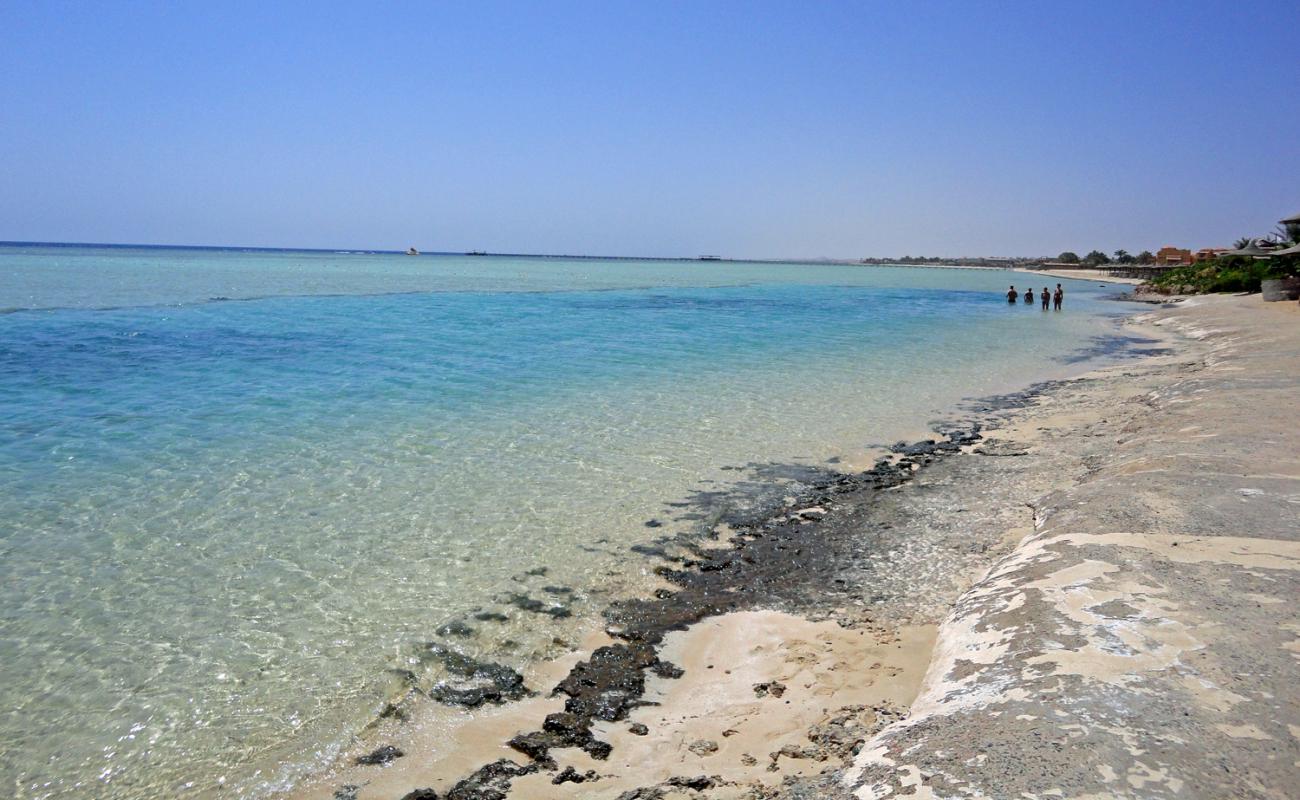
(1096, 258)
(1225, 274)
(1068, 258)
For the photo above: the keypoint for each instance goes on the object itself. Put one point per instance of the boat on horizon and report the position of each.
(411, 251)
(476, 253)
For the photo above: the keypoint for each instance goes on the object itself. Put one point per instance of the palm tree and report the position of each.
(1241, 243)
(1282, 235)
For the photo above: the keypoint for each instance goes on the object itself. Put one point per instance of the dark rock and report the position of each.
(455, 628)
(557, 590)
(653, 551)
(450, 695)
(644, 793)
(597, 749)
(699, 783)
(506, 681)
(380, 755)
(490, 782)
(347, 791)
(568, 775)
(607, 685)
(653, 523)
(536, 746)
(537, 571)
(526, 603)
(473, 682)
(491, 616)
(569, 726)
(421, 794)
(455, 661)
(923, 448)
(774, 688)
(964, 436)
(392, 711)
(561, 729)
(638, 729)
(667, 669)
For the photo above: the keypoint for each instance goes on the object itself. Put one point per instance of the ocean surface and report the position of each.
(238, 489)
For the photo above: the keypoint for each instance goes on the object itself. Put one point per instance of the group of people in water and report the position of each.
(1054, 298)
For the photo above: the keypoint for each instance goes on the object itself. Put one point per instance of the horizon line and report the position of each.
(377, 251)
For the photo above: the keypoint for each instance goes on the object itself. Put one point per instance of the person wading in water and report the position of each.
(1046, 297)
(1057, 297)
(1012, 295)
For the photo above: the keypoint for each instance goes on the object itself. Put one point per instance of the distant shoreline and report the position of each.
(1017, 265)
(1064, 273)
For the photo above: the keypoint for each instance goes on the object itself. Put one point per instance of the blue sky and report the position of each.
(655, 128)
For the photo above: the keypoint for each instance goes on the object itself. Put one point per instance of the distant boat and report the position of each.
(476, 253)
(709, 258)
(411, 251)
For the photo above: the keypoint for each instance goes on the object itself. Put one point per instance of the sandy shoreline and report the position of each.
(1080, 275)
(850, 661)
(1083, 274)
(1142, 642)
(823, 632)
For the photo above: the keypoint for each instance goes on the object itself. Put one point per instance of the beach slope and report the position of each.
(1093, 596)
(1143, 641)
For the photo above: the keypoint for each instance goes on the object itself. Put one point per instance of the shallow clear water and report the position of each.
(222, 522)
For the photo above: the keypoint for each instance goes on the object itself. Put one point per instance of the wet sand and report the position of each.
(891, 626)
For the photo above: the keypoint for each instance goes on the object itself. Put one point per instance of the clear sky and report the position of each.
(654, 128)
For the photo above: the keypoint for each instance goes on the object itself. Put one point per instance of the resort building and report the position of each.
(1292, 227)
(1171, 256)
(1208, 254)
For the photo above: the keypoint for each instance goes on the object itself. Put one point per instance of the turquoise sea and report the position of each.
(239, 488)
